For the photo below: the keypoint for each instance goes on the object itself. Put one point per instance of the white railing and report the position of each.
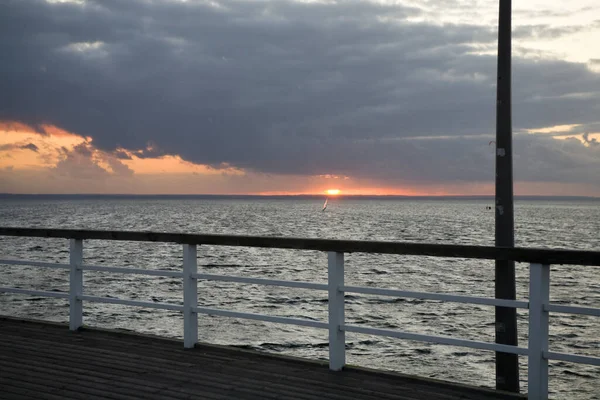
(539, 307)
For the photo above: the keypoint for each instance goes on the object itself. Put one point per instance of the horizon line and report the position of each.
(341, 195)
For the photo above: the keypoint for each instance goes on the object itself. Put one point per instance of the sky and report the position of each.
(289, 97)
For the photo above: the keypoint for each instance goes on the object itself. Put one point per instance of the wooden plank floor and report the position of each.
(46, 361)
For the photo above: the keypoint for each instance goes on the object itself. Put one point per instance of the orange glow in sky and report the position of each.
(22, 148)
(48, 159)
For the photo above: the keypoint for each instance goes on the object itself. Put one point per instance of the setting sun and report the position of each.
(333, 192)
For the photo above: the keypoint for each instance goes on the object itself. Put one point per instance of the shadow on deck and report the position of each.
(45, 360)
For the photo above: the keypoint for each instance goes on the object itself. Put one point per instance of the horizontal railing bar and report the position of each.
(572, 358)
(262, 317)
(530, 255)
(437, 339)
(574, 310)
(260, 281)
(134, 303)
(436, 296)
(35, 264)
(40, 293)
(138, 271)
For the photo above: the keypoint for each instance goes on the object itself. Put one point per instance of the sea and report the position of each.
(539, 223)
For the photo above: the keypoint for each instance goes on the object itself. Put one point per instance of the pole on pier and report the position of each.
(507, 365)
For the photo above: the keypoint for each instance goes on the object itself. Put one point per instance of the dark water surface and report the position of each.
(550, 224)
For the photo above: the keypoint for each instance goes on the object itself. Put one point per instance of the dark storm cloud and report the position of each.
(280, 87)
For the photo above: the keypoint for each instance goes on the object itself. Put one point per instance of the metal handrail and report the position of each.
(527, 255)
(539, 286)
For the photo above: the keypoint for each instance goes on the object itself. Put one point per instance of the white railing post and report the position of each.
(337, 336)
(539, 300)
(190, 296)
(75, 284)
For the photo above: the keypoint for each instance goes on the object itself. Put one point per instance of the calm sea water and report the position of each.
(551, 224)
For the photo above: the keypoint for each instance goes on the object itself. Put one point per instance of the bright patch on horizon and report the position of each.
(587, 139)
(333, 192)
(80, 2)
(88, 49)
(554, 129)
(83, 46)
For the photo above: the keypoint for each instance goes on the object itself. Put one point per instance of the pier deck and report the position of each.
(46, 361)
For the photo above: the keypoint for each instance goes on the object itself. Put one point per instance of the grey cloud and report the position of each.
(540, 158)
(118, 168)
(590, 141)
(537, 158)
(83, 149)
(30, 146)
(121, 155)
(277, 87)
(13, 146)
(152, 150)
(81, 163)
(8, 146)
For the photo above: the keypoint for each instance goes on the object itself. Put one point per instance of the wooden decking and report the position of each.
(46, 361)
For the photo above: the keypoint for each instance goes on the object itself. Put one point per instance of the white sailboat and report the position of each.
(324, 205)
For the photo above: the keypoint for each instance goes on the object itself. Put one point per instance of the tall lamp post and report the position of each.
(507, 365)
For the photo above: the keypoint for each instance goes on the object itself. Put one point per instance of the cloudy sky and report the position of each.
(284, 96)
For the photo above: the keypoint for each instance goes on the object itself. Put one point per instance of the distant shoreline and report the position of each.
(10, 196)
